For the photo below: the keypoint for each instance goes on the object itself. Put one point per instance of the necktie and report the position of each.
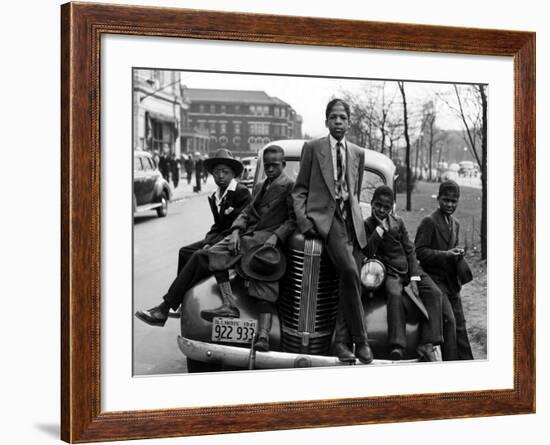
(339, 164)
(340, 179)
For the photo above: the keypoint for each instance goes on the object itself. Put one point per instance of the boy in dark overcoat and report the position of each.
(437, 241)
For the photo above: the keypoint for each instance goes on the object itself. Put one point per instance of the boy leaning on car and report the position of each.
(326, 203)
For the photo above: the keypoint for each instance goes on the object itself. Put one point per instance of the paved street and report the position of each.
(156, 245)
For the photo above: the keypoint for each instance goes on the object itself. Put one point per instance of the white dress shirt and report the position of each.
(219, 198)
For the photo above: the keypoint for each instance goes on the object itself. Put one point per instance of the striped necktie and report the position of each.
(340, 178)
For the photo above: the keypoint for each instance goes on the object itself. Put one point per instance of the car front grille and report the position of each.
(309, 300)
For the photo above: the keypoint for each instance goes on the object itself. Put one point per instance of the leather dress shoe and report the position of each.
(427, 352)
(343, 352)
(155, 316)
(364, 353)
(397, 353)
(225, 310)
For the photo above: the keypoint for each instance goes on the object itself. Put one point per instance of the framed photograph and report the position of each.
(202, 289)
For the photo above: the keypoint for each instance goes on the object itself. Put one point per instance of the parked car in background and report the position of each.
(303, 325)
(467, 169)
(249, 171)
(151, 191)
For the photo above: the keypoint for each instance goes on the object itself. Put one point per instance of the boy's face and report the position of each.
(274, 163)
(223, 175)
(337, 121)
(448, 202)
(382, 206)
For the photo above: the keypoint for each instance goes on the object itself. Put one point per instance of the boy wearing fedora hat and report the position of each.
(257, 237)
(437, 240)
(230, 198)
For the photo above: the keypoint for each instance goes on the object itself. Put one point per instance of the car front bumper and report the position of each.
(242, 358)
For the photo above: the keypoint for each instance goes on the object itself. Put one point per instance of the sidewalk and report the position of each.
(185, 191)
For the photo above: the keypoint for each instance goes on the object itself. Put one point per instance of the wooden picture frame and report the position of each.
(82, 26)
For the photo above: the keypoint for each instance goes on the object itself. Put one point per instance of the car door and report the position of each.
(139, 180)
(151, 175)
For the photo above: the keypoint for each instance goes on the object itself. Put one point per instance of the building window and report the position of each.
(223, 141)
(213, 139)
(237, 141)
(283, 112)
(223, 109)
(276, 111)
(266, 140)
(212, 108)
(237, 109)
(259, 128)
(237, 127)
(223, 127)
(201, 108)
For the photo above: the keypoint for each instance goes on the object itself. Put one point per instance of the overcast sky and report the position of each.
(309, 95)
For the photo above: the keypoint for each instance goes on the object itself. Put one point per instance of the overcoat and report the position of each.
(433, 238)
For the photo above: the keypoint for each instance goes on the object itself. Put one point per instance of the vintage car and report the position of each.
(302, 331)
(151, 191)
(249, 171)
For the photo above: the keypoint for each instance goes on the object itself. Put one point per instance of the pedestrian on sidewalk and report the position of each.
(189, 165)
(198, 174)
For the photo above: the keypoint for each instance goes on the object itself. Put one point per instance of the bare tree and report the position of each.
(472, 109)
(401, 86)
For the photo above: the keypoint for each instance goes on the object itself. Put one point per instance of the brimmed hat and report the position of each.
(263, 263)
(223, 156)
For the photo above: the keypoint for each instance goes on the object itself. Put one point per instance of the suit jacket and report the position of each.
(271, 212)
(231, 206)
(433, 238)
(314, 194)
(394, 249)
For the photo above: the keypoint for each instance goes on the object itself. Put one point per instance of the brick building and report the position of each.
(161, 115)
(242, 121)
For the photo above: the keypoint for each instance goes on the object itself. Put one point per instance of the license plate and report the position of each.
(233, 330)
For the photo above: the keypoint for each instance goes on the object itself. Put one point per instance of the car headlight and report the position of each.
(373, 273)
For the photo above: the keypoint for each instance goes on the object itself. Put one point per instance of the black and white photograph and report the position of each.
(305, 221)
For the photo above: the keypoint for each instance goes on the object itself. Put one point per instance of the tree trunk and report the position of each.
(408, 144)
(483, 172)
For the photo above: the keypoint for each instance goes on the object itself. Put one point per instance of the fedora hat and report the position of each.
(263, 263)
(223, 156)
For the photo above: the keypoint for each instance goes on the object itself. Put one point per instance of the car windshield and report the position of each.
(371, 178)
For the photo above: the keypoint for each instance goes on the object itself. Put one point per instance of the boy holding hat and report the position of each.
(437, 249)
(388, 241)
(258, 234)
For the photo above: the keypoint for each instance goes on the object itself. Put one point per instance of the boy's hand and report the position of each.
(456, 251)
(234, 245)
(271, 241)
(312, 233)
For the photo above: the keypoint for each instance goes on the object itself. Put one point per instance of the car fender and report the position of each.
(161, 186)
(206, 295)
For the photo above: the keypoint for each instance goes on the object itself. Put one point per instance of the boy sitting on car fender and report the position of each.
(266, 222)
(388, 241)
